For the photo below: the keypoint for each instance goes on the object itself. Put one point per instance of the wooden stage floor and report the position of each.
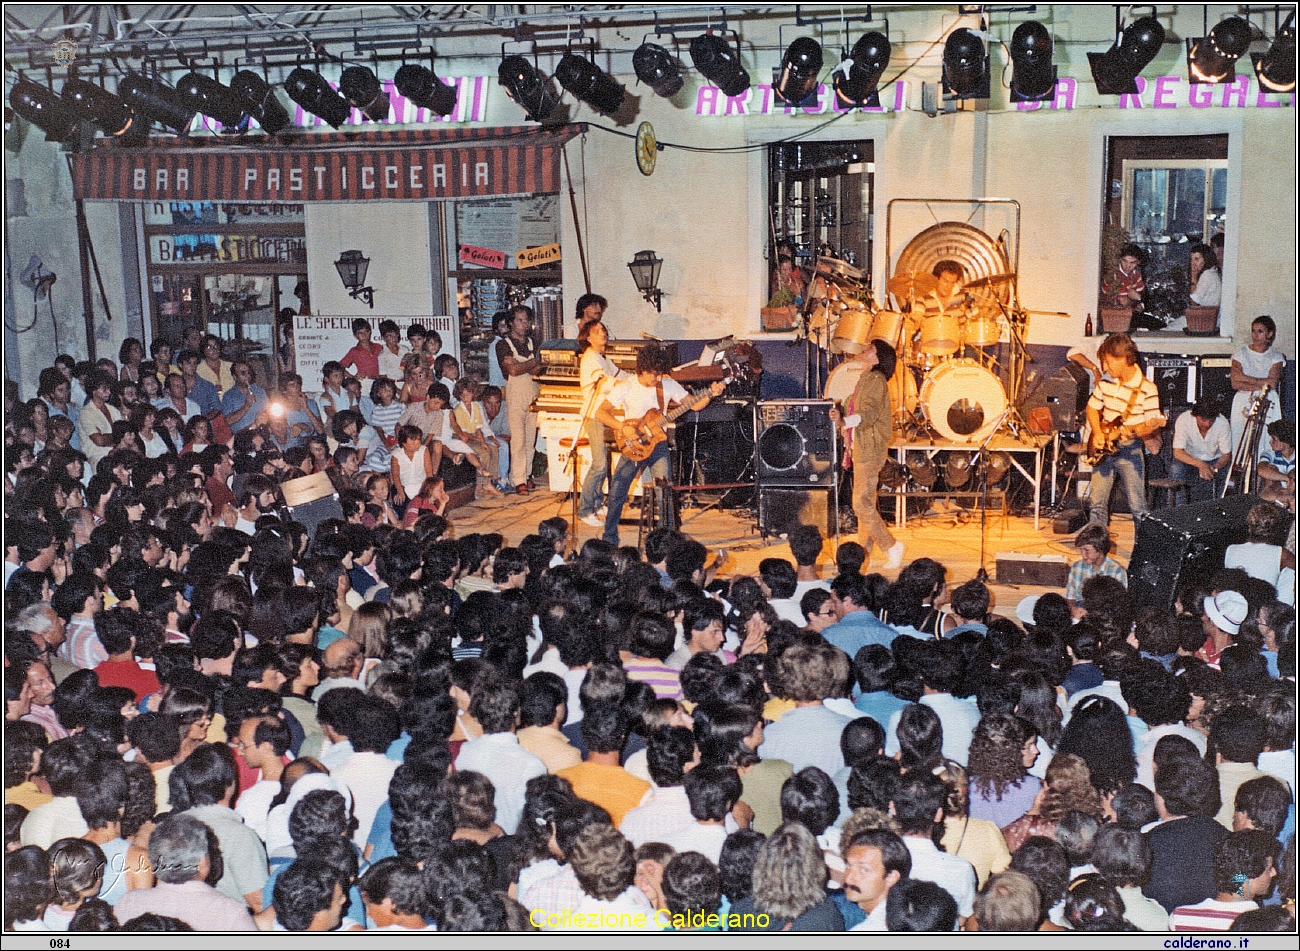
(947, 534)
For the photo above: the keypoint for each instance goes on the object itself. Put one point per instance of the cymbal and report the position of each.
(919, 283)
(990, 280)
(838, 270)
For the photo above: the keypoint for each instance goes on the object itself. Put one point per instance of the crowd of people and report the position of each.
(218, 720)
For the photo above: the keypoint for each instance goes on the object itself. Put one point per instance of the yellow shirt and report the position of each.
(221, 377)
(26, 794)
(550, 746)
(612, 788)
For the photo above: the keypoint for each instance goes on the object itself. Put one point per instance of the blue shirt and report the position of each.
(858, 629)
(234, 398)
(205, 394)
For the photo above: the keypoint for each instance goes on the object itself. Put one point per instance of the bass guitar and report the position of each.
(636, 439)
(1110, 439)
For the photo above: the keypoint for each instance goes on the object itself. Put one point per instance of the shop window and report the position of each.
(1166, 197)
(820, 201)
(504, 251)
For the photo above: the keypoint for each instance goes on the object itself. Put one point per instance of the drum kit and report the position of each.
(946, 384)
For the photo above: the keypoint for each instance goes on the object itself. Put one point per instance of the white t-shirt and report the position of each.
(1215, 443)
(1257, 364)
(636, 400)
(390, 364)
(1209, 288)
(597, 370)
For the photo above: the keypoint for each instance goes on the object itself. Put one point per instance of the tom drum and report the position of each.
(940, 335)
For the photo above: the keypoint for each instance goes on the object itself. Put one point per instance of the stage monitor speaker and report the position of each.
(1214, 383)
(311, 500)
(782, 509)
(1065, 394)
(716, 447)
(1188, 539)
(796, 443)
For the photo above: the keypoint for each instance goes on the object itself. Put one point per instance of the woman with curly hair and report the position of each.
(978, 841)
(790, 877)
(1067, 787)
(1002, 750)
(1098, 732)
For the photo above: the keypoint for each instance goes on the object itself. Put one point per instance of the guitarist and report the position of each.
(1123, 410)
(649, 390)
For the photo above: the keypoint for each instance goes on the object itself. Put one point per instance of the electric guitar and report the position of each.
(1110, 440)
(636, 439)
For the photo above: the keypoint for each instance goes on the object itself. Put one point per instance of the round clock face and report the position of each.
(645, 148)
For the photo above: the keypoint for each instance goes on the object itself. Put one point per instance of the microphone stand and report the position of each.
(982, 575)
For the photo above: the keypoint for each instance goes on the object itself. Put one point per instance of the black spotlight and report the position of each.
(965, 66)
(258, 100)
(1116, 71)
(313, 93)
(155, 102)
(656, 68)
(363, 90)
(425, 90)
(857, 79)
(1213, 58)
(796, 80)
(590, 83)
(109, 112)
(204, 94)
(45, 110)
(1275, 70)
(1033, 77)
(719, 63)
(528, 87)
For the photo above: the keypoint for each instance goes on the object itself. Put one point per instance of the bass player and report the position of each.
(1123, 411)
(634, 398)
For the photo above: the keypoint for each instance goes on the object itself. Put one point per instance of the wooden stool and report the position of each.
(1170, 487)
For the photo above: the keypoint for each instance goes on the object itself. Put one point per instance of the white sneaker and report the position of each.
(603, 511)
(895, 556)
(594, 520)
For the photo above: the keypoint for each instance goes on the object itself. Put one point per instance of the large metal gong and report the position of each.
(980, 255)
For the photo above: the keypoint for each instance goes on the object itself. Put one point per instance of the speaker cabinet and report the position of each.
(781, 510)
(311, 500)
(1214, 384)
(796, 443)
(1065, 395)
(1175, 378)
(1175, 542)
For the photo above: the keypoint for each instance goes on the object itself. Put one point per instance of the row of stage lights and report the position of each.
(141, 101)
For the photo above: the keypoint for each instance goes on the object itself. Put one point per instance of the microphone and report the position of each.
(645, 336)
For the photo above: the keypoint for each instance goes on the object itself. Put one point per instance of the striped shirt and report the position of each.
(1111, 400)
(1209, 915)
(663, 680)
(82, 646)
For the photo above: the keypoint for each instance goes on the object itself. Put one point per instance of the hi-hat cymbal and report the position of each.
(919, 283)
(990, 280)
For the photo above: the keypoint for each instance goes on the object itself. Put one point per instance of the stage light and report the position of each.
(590, 83)
(1275, 70)
(204, 94)
(719, 63)
(797, 78)
(363, 90)
(313, 93)
(528, 87)
(957, 469)
(656, 68)
(154, 101)
(258, 99)
(1116, 71)
(1033, 77)
(45, 110)
(857, 78)
(645, 268)
(425, 90)
(965, 66)
(1213, 58)
(109, 112)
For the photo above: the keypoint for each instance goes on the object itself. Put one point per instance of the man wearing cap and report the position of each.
(1224, 613)
(1276, 468)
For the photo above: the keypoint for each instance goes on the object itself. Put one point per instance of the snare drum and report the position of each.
(963, 401)
(853, 331)
(940, 335)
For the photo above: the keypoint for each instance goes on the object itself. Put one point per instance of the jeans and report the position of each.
(1199, 490)
(866, 506)
(589, 501)
(1129, 465)
(621, 483)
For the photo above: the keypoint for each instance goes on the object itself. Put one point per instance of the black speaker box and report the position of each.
(796, 443)
(1213, 383)
(1175, 378)
(781, 510)
(311, 500)
(717, 449)
(1065, 394)
(1188, 539)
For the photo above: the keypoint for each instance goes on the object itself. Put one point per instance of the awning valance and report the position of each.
(374, 165)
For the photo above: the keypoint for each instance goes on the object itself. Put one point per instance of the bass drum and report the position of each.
(963, 401)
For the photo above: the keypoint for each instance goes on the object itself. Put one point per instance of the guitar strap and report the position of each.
(659, 397)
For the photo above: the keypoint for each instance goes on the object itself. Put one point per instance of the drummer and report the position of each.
(949, 295)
